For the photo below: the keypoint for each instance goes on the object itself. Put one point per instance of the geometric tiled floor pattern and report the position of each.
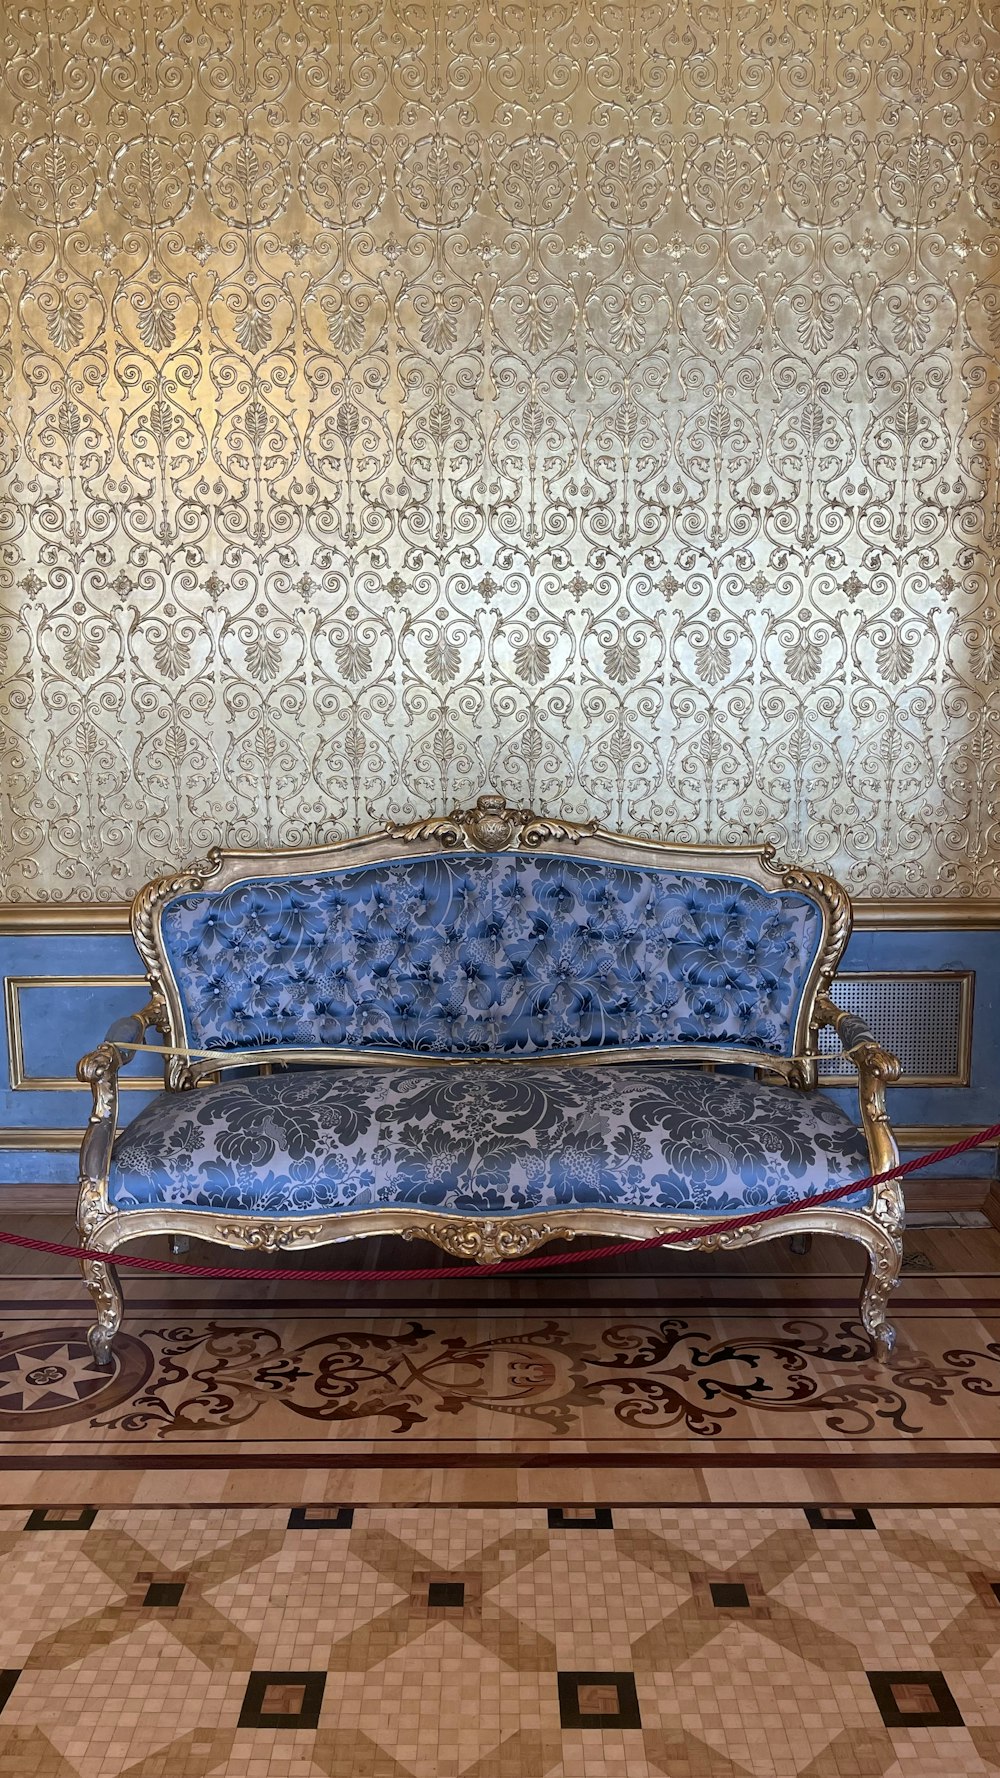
(457, 1642)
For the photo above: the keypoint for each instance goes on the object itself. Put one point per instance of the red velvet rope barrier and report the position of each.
(537, 1262)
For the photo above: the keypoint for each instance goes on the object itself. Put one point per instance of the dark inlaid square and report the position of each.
(446, 1592)
(164, 1592)
(915, 1700)
(321, 1518)
(9, 1677)
(61, 1518)
(597, 1519)
(598, 1701)
(839, 1518)
(747, 1594)
(729, 1592)
(917, 1262)
(282, 1700)
(986, 1589)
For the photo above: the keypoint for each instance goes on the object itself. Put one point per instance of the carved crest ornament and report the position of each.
(493, 826)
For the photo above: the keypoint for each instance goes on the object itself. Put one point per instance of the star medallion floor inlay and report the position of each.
(669, 1521)
(684, 1380)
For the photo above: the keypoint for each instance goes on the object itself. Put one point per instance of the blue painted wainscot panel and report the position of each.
(60, 1023)
(876, 952)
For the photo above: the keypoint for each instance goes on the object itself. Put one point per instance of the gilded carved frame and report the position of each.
(490, 826)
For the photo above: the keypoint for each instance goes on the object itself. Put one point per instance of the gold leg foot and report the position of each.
(101, 1345)
(102, 1282)
(884, 1261)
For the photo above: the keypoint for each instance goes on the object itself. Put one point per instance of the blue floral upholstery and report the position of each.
(495, 953)
(485, 1138)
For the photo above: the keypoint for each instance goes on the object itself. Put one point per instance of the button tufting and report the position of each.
(393, 948)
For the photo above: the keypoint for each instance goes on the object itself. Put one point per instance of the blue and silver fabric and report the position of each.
(492, 954)
(485, 1139)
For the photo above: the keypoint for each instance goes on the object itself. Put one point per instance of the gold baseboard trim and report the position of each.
(28, 1198)
(49, 1141)
(928, 915)
(24, 919)
(46, 919)
(923, 1136)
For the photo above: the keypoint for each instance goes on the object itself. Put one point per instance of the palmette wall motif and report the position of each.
(595, 401)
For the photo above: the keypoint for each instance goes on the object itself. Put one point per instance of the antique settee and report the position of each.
(490, 1030)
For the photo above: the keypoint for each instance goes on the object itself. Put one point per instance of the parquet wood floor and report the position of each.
(664, 1519)
(669, 1380)
(513, 1642)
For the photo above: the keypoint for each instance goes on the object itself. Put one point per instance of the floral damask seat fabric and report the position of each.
(486, 1138)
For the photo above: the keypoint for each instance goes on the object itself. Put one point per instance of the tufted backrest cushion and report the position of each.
(491, 953)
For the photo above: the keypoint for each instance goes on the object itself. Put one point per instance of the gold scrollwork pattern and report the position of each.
(266, 1237)
(488, 1241)
(597, 402)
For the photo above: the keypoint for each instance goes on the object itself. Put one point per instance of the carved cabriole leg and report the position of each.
(884, 1241)
(883, 1236)
(102, 1281)
(99, 1071)
(883, 1276)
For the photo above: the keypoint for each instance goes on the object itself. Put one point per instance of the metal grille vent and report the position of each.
(925, 1020)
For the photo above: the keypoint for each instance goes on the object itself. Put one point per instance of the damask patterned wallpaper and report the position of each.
(596, 401)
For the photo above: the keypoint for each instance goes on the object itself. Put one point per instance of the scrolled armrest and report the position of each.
(857, 1041)
(877, 1069)
(130, 1029)
(99, 1068)
(99, 1071)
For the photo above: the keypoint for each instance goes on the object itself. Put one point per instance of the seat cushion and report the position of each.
(482, 1139)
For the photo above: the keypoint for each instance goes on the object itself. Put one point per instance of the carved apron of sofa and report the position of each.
(489, 1031)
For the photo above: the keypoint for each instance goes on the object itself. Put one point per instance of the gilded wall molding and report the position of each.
(41, 919)
(920, 1137)
(974, 915)
(22, 1080)
(84, 919)
(15, 1141)
(597, 403)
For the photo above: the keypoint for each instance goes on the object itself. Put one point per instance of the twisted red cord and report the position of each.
(537, 1262)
